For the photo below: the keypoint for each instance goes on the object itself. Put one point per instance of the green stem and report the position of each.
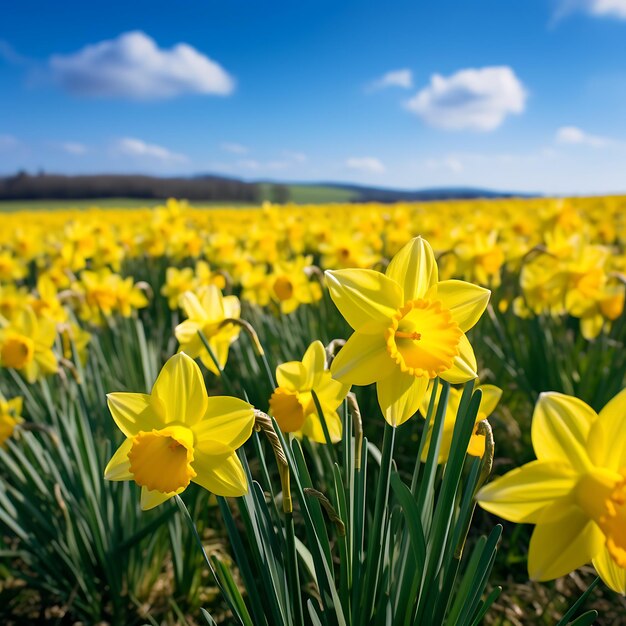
(292, 570)
(378, 522)
(185, 511)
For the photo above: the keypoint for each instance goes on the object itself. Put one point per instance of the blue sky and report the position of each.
(517, 94)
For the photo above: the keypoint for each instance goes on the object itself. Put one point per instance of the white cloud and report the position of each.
(396, 78)
(595, 8)
(133, 66)
(8, 142)
(474, 99)
(451, 163)
(73, 147)
(572, 135)
(129, 146)
(370, 165)
(234, 148)
(298, 157)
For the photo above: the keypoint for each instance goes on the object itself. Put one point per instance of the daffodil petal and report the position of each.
(489, 401)
(414, 268)
(610, 572)
(560, 428)
(607, 437)
(133, 412)
(150, 499)
(223, 476)
(523, 493)
(187, 332)
(312, 427)
(363, 360)
(464, 366)
(313, 361)
(558, 548)
(466, 302)
(367, 299)
(291, 375)
(181, 391)
(400, 396)
(191, 306)
(232, 307)
(212, 303)
(118, 467)
(227, 423)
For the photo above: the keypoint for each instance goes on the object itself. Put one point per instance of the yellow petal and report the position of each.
(363, 360)
(118, 467)
(400, 396)
(180, 388)
(560, 428)
(607, 437)
(312, 427)
(212, 303)
(476, 446)
(227, 423)
(232, 307)
(331, 392)
(187, 333)
(367, 299)
(133, 412)
(414, 268)
(223, 476)
(192, 308)
(464, 366)
(523, 493)
(313, 361)
(150, 499)
(558, 548)
(291, 375)
(466, 302)
(612, 575)
(489, 401)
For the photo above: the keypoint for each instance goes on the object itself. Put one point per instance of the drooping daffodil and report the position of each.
(292, 402)
(206, 310)
(575, 492)
(177, 435)
(409, 328)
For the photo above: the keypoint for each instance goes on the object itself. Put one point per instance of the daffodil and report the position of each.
(26, 345)
(575, 492)
(409, 328)
(177, 435)
(489, 400)
(10, 416)
(206, 311)
(292, 402)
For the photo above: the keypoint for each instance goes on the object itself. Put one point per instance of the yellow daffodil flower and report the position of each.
(177, 435)
(575, 492)
(26, 345)
(292, 402)
(205, 311)
(409, 328)
(10, 416)
(490, 397)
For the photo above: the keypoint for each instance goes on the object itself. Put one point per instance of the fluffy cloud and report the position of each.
(575, 136)
(451, 163)
(234, 148)
(73, 147)
(133, 66)
(371, 165)
(474, 99)
(396, 78)
(129, 146)
(596, 8)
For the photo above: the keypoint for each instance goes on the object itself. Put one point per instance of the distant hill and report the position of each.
(210, 188)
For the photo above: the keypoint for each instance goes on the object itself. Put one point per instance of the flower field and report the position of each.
(333, 415)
